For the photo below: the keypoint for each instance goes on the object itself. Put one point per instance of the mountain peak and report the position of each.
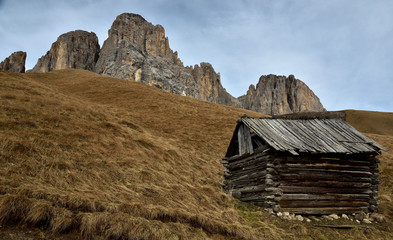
(276, 95)
(14, 63)
(76, 49)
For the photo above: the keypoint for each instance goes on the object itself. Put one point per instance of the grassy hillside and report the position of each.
(371, 122)
(86, 156)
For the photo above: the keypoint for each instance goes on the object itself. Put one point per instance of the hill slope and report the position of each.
(371, 122)
(100, 157)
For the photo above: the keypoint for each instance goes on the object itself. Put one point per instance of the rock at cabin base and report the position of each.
(14, 63)
(334, 216)
(327, 218)
(299, 218)
(360, 216)
(345, 216)
(366, 221)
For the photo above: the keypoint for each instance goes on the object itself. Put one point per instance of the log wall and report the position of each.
(253, 178)
(305, 184)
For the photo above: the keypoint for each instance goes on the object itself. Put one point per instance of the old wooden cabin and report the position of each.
(303, 166)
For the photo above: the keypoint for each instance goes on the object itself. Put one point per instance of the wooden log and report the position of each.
(249, 176)
(262, 151)
(261, 161)
(257, 188)
(260, 197)
(247, 160)
(326, 197)
(314, 203)
(244, 183)
(305, 160)
(321, 190)
(335, 184)
(306, 171)
(325, 210)
(239, 173)
(319, 176)
(255, 167)
(324, 166)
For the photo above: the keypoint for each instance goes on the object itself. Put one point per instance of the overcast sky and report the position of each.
(342, 49)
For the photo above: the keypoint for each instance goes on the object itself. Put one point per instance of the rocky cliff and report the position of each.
(280, 95)
(76, 49)
(14, 63)
(139, 51)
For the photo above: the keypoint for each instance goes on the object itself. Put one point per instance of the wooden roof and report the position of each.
(312, 136)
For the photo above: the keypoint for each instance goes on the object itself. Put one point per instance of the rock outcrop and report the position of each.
(139, 51)
(76, 49)
(14, 63)
(276, 95)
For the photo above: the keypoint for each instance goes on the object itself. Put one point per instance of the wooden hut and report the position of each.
(302, 166)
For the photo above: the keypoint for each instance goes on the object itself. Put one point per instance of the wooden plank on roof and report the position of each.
(247, 139)
(304, 137)
(334, 136)
(300, 144)
(279, 137)
(322, 136)
(240, 139)
(289, 139)
(265, 134)
(347, 134)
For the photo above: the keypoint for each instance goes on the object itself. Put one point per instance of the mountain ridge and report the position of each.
(139, 51)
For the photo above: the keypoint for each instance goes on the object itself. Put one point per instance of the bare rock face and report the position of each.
(76, 49)
(139, 51)
(276, 95)
(210, 87)
(14, 63)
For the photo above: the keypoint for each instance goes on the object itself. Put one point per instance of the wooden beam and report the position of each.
(335, 184)
(326, 197)
(306, 171)
(322, 190)
(247, 139)
(321, 176)
(240, 139)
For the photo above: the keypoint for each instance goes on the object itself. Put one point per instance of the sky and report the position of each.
(342, 49)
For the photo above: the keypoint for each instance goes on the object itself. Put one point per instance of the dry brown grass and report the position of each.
(112, 159)
(371, 122)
